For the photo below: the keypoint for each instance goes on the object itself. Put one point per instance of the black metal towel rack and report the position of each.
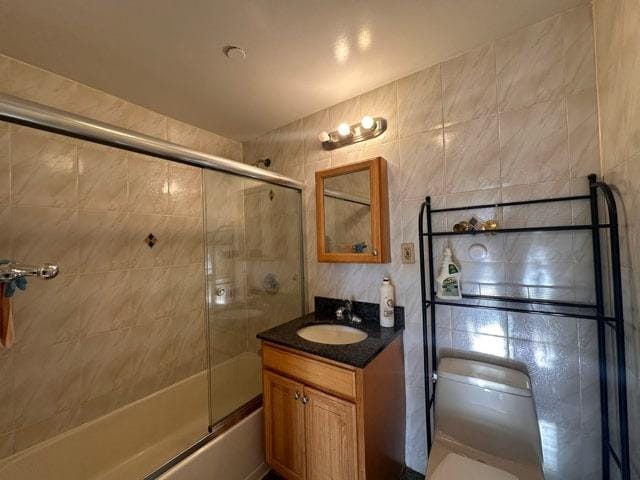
(554, 308)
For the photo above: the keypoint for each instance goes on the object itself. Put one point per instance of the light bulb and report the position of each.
(344, 129)
(367, 122)
(324, 137)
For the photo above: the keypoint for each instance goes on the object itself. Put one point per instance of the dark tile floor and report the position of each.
(407, 475)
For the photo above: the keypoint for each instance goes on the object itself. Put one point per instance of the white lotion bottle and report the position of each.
(387, 303)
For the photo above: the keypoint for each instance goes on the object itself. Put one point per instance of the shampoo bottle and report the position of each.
(387, 303)
(449, 279)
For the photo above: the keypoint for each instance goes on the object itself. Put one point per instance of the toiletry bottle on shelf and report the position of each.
(449, 279)
(387, 303)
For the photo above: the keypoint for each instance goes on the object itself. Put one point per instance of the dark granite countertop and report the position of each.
(355, 354)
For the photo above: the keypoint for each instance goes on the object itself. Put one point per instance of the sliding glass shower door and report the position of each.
(254, 279)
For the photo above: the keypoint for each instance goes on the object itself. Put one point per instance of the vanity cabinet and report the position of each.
(329, 421)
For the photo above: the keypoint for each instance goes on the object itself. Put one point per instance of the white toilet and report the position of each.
(486, 427)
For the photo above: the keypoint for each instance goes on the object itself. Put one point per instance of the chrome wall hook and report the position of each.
(10, 271)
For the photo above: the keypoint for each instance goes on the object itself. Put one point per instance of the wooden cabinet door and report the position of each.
(284, 425)
(331, 439)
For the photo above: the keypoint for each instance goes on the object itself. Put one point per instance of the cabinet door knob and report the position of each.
(305, 399)
(296, 395)
(374, 252)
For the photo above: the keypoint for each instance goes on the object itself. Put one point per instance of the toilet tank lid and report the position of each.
(485, 375)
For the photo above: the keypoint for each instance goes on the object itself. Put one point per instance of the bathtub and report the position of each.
(132, 441)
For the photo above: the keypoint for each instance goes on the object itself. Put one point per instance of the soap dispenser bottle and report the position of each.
(448, 282)
(387, 303)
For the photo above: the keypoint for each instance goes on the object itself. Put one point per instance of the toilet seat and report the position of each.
(459, 467)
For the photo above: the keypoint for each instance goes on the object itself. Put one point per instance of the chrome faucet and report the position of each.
(346, 312)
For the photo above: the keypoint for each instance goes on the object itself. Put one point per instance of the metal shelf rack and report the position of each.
(596, 312)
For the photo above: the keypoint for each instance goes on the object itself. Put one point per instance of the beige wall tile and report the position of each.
(382, 102)
(98, 105)
(104, 301)
(420, 102)
(185, 190)
(43, 169)
(58, 244)
(579, 59)
(6, 395)
(391, 153)
(47, 314)
(469, 85)
(5, 226)
(151, 294)
(182, 134)
(32, 83)
(213, 144)
(348, 111)
(188, 293)
(148, 184)
(312, 126)
(582, 115)
(533, 144)
(102, 178)
(5, 82)
(291, 137)
(530, 65)
(48, 383)
(422, 165)
(472, 155)
(186, 244)
(5, 164)
(99, 377)
(7, 444)
(103, 241)
(145, 121)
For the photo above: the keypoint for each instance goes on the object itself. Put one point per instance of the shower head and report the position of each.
(264, 162)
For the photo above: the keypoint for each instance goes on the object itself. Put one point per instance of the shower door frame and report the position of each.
(41, 117)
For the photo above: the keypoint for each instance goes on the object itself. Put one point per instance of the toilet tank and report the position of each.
(489, 408)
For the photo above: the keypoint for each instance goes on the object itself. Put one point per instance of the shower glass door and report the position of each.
(254, 279)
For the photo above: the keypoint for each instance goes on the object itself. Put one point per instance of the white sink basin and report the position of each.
(332, 334)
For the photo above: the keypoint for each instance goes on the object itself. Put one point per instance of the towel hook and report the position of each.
(10, 271)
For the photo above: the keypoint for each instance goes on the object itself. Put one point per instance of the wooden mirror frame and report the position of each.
(380, 237)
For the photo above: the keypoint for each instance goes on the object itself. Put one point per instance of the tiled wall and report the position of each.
(618, 64)
(515, 119)
(253, 231)
(121, 320)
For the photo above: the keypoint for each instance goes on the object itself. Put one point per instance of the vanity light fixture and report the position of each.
(367, 122)
(345, 134)
(344, 129)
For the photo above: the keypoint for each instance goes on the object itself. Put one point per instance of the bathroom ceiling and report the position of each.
(302, 55)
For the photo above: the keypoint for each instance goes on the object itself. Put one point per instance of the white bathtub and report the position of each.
(132, 441)
(235, 455)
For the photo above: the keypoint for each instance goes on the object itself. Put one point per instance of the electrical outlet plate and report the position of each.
(408, 253)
